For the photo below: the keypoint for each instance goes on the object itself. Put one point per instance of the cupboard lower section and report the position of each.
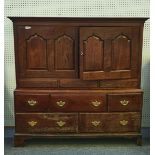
(74, 125)
(46, 123)
(74, 113)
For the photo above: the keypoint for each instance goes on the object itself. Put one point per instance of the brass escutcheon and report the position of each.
(95, 123)
(96, 103)
(61, 103)
(123, 122)
(61, 123)
(32, 102)
(124, 102)
(32, 123)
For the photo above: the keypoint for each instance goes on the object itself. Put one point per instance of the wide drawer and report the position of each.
(125, 102)
(46, 123)
(109, 122)
(31, 102)
(78, 102)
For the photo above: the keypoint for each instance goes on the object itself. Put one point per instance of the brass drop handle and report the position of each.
(123, 122)
(60, 103)
(61, 123)
(96, 103)
(124, 102)
(95, 123)
(32, 102)
(32, 123)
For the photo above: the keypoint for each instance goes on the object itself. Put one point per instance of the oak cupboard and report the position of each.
(77, 77)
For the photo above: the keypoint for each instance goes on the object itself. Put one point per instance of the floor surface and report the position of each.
(78, 147)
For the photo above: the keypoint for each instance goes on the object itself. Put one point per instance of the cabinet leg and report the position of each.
(139, 140)
(19, 141)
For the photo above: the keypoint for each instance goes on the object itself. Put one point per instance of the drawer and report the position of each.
(46, 123)
(125, 102)
(109, 122)
(31, 102)
(78, 103)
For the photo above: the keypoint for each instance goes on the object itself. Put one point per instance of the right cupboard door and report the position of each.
(109, 52)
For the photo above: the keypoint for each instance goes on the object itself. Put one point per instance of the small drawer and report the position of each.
(125, 102)
(77, 103)
(31, 102)
(46, 123)
(109, 122)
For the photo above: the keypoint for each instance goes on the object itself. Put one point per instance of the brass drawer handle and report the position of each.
(32, 102)
(123, 122)
(124, 102)
(32, 123)
(61, 123)
(95, 123)
(61, 103)
(96, 103)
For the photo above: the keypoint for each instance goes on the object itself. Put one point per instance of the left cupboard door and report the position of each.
(46, 51)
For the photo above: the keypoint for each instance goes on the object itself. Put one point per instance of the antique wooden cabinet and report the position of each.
(77, 77)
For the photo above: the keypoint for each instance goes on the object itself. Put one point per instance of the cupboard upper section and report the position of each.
(78, 48)
(109, 52)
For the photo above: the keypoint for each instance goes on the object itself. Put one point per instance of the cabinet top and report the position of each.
(78, 19)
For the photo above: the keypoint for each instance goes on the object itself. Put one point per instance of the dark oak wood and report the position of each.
(46, 123)
(119, 58)
(139, 140)
(19, 141)
(77, 77)
(129, 83)
(32, 102)
(124, 102)
(40, 48)
(18, 138)
(80, 91)
(84, 102)
(109, 122)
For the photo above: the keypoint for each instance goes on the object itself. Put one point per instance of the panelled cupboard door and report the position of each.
(47, 51)
(108, 52)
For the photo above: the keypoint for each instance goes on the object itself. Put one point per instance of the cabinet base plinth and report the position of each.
(139, 140)
(19, 139)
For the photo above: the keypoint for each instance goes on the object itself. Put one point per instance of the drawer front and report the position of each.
(46, 123)
(31, 102)
(109, 123)
(125, 102)
(78, 103)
